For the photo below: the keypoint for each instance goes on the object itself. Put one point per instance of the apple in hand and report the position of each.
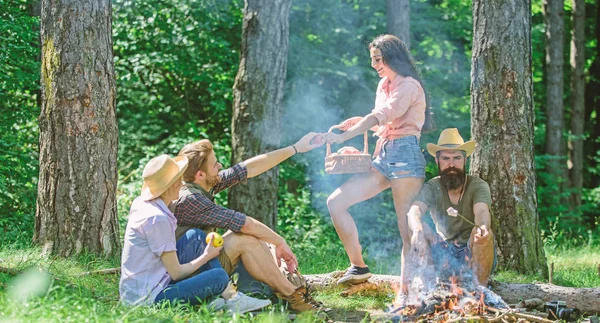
(217, 241)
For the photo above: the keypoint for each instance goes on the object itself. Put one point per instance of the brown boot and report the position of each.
(301, 300)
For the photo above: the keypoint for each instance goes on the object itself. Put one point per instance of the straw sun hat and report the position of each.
(450, 139)
(160, 173)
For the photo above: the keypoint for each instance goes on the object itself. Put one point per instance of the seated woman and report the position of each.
(154, 267)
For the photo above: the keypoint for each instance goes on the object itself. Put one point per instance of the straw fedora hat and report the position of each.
(160, 173)
(450, 139)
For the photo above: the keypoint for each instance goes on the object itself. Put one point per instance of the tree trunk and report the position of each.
(257, 102)
(592, 102)
(502, 125)
(398, 19)
(586, 299)
(555, 38)
(76, 207)
(578, 100)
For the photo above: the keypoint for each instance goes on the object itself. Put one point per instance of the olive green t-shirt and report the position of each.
(435, 196)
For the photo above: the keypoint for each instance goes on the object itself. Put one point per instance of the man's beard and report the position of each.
(452, 178)
(213, 181)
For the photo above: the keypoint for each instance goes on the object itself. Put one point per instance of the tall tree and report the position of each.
(578, 100)
(502, 124)
(76, 207)
(555, 38)
(398, 19)
(257, 101)
(592, 102)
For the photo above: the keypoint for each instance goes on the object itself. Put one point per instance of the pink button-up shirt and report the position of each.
(399, 108)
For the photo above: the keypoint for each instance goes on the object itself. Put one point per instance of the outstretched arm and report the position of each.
(263, 162)
(419, 239)
(414, 215)
(363, 125)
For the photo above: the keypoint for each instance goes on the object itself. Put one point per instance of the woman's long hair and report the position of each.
(398, 58)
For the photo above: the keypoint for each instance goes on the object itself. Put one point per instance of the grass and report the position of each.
(71, 298)
(573, 267)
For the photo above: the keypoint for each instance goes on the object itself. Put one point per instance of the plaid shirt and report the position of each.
(196, 207)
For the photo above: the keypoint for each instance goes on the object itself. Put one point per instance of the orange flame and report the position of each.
(454, 288)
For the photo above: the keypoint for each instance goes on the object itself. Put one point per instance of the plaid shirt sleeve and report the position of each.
(198, 211)
(231, 176)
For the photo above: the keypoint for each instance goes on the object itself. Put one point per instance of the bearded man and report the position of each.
(460, 209)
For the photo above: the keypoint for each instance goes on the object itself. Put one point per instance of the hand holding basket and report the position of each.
(352, 163)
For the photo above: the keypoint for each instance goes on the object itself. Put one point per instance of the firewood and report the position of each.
(527, 317)
(469, 319)
(108, 271)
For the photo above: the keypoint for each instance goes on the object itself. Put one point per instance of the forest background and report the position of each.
(175, 65)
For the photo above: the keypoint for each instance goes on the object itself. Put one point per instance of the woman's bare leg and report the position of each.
(357, 189)
(404, 191)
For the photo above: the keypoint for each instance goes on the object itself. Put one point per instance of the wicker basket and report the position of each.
(344, 164)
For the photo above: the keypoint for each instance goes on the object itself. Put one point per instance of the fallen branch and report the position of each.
(500, 317)
(9, 271)
(531, 318)
(108, 271)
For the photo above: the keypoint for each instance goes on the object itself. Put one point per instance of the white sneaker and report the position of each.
(241, 303)
(216, 304)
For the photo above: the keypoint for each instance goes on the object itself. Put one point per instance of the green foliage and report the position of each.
(175, 63)
(19, 90)
(560, 223)
(310, 235)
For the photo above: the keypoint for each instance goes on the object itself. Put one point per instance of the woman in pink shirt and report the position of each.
(400, 114)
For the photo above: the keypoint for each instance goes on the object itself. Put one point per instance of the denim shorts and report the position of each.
(400, 158)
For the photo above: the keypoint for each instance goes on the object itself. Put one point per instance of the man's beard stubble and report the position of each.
(452, 178)
(212, 182)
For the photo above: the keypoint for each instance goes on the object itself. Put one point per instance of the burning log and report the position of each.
(585, 299)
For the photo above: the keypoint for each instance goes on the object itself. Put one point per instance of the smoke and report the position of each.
(445, 263)
(308, 110)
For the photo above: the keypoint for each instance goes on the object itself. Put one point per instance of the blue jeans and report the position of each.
(454, 256)
(211, 281)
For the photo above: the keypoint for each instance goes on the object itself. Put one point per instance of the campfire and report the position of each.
(446, 291)
(447, 301)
